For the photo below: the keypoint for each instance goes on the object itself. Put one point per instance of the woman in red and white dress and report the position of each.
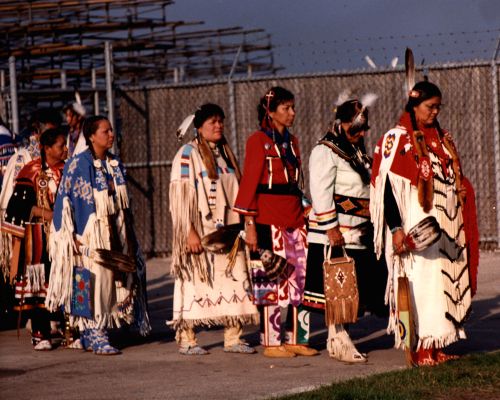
(416, 175)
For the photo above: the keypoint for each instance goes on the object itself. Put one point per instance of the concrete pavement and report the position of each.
(151, 368)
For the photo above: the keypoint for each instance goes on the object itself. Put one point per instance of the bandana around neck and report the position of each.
(284, 144)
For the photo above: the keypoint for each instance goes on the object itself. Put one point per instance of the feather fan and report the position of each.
(110, 259)
(222, 240)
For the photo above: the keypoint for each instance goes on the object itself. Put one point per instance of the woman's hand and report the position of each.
(42, 213)
(47, 215)
(251, 235)
(76, 246)
(398, 242)
(194, 242)
(335, 237)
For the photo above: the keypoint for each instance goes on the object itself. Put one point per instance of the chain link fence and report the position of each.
(150, 116)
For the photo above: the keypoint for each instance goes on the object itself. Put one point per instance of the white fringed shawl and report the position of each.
(81, 212)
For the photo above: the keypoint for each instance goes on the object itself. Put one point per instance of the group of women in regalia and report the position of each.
(68, 244)
(405, 218)
(409, 213)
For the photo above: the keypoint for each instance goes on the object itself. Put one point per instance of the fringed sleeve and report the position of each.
(61, 252)
(16, 162)
(13, 225)
(185, 212)
(389, 155)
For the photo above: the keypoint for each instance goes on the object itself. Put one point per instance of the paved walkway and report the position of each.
(151, 368)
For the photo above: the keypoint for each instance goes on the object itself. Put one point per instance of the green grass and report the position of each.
(472, 377)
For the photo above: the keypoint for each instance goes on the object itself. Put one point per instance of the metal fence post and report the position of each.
(13, 95)
(64, 82)
(232, 106)
(108, 58)
(232, 116)
(496, 134)
(96, 92)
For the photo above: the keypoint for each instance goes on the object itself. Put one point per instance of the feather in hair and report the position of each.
(343, 97)
(184, 126)
(78, 106)
(368, 99)
(410, 70)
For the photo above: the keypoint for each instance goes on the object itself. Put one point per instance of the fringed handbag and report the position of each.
(341, 289)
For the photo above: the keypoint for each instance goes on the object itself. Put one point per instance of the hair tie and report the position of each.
(269, 95)
(414, 93)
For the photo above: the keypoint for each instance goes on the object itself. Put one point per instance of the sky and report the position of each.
(328, 35)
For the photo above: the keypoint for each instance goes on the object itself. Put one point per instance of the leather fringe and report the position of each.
(341, 311)
(228, 320)
(184, 208)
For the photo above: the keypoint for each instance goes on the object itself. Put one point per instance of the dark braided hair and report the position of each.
(47, 139)
(421, 92)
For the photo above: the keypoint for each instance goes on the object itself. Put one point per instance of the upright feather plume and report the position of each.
(410, 70)
(394, 62)
(78, 106)
(359, 119)
(368, 99)
(184, 126)
(343, 97)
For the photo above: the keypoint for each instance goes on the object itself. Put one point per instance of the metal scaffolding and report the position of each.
(60, 45)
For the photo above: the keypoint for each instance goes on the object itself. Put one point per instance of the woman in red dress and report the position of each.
(271, 201)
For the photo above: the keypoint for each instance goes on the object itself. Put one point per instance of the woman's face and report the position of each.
(353, 138)
(427, 111)
(212, 129)
(71, 118)
(102, 139)
(284, 115)
(58, 151)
